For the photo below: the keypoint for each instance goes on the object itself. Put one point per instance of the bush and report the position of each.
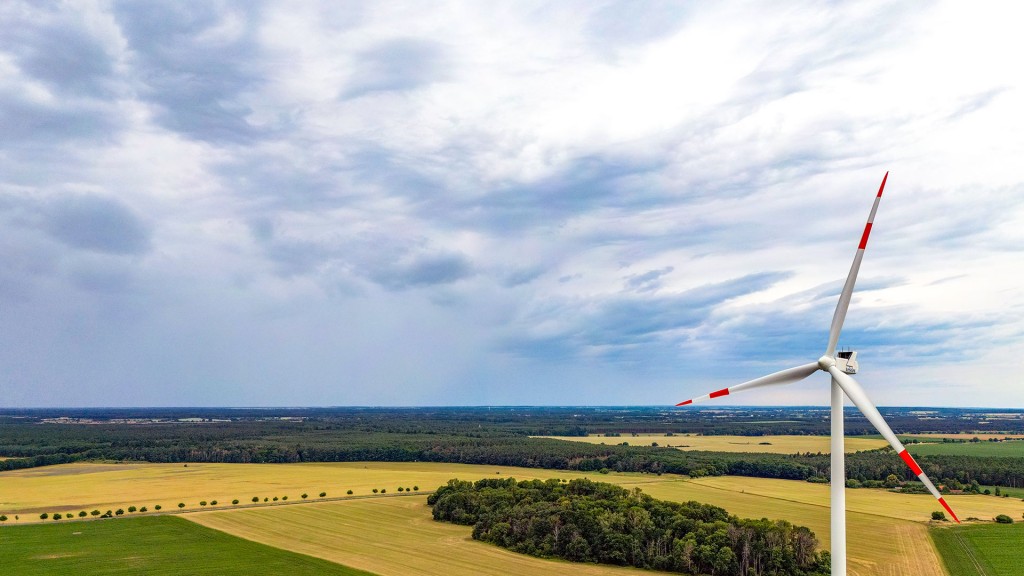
(400, 489)
(57, 516)
(235, 501)
(304, 495)
(416, 488)
(383, 490)
(817, 480)
(143, 509)
(853, 483)
(181, 504)
(119, 512)
(95, 512)
(44, 516)
(284, 497)
(255, 498)
(83, 514)
(349, 492)
(132, 509)
(202, 502)
(157, 507)
(3, 518)
(1004, 519)
(323, 494)
(213, 503)
(275, 498)
(937, 515)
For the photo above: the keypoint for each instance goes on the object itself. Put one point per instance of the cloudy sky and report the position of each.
(424, 203)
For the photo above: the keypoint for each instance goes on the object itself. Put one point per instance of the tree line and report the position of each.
(587, 521)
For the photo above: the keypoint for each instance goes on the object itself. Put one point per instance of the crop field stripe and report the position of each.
(154, 545)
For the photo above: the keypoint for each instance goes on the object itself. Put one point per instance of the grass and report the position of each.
(1009, 448)
(154, 545)
(763, 444)
(981, 550)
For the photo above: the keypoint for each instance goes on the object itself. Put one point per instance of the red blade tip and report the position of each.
(685, 403)
(882, 187)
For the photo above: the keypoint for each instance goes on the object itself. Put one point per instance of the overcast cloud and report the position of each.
(338, 203)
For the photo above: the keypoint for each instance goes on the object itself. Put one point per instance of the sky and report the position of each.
(506, 203)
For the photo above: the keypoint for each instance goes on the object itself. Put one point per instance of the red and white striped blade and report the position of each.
(782, 377)
(860, 399)
(844, 298)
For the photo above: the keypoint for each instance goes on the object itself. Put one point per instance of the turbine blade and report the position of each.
(844, 298)
(860, 399)
(783, 377)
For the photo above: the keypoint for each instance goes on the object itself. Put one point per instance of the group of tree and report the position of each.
(587, 521)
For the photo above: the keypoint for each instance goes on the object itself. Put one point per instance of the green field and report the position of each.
(760, 444)
(981, 550)
(1008, 448)
(153, 545)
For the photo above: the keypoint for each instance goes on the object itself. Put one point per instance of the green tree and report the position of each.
(202, 502)
(119, 512)
(349, 492)
(939, 515)
(181, 504)
(323, 494)
(132, 509)
(284, 497)
(57, 516)
(255, 498)
(95, 513)
(213, 503)
(143, 509)
(82, 514)
(157, 507)
(416, 488)
(3, 518)
(235, 501)
(400, 489)
(891, 481)
(304, 495)
(44, 516)
(1004, 519)
(275, 498)
(375, 490)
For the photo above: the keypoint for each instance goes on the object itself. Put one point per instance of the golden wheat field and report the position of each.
(887, 531)
(764, 444)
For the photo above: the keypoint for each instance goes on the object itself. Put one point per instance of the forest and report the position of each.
(587, 521)
(474, 436)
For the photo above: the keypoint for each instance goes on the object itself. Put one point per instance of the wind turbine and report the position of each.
(840, 366)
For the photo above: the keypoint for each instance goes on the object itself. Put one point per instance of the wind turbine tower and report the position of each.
(840, 365)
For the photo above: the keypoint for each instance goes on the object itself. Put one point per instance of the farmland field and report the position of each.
(1009, 448)
(153, 545)
(390, 537)
(888, 534)
(765, 444)
(981, 550)
(85, 486)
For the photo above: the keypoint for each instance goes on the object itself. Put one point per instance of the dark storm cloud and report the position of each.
(397, 65)
(196, 81)
(97, 224)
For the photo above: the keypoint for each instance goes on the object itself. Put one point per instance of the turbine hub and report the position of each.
(826, 362)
